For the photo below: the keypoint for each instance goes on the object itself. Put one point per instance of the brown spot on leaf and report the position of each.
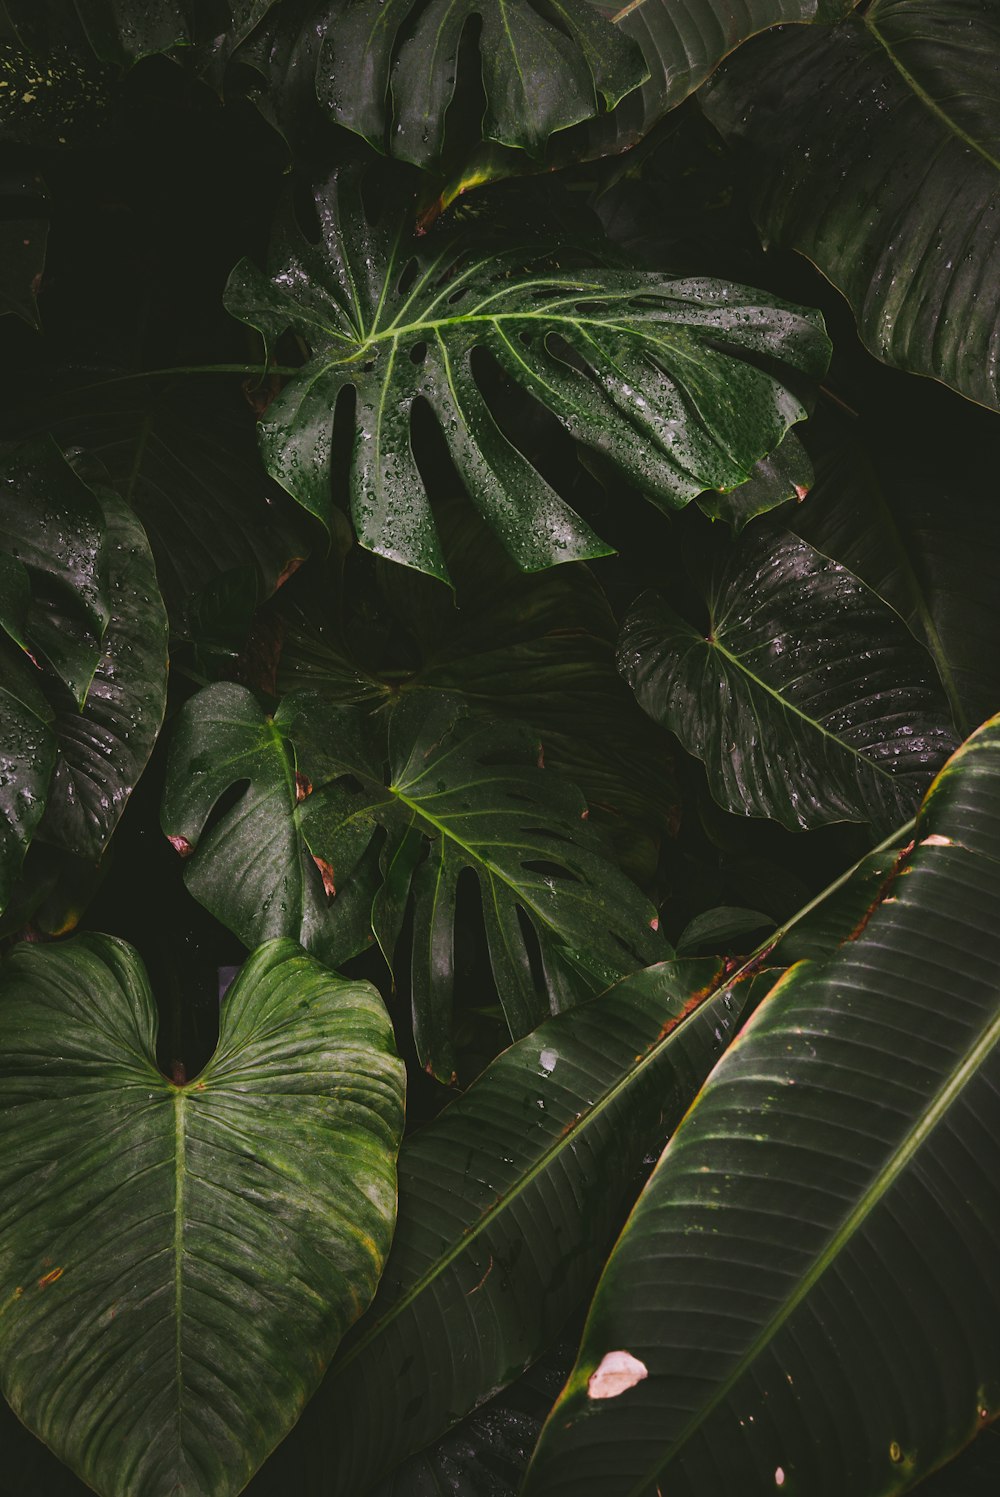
(260, 392)
(178, 1073)
(181, 845)
(800, 492)
(50, 1278)
(618, 1372)
(288, 570)
(326, 873)
(303, 788)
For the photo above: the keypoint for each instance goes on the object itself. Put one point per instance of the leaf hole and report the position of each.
(418, 352)
(408, 276)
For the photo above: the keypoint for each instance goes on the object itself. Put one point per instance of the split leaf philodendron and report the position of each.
(498, 912)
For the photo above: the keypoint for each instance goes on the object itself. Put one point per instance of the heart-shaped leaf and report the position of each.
(510, 1198)
(666, 377)
(805, 1294)
(179, 1261)
(892, 187)
(806, 698)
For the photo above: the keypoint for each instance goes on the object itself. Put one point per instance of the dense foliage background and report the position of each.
(507, 420)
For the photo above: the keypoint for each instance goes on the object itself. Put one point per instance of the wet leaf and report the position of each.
(508, 1202)
(892, 186)
(663, 376)
(806, 698)
(180, 1261)
(825, 1213)
(462, 794)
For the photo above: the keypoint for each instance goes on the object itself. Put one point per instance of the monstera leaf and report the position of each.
(893, 188)
(543, 68)
(538, 648)
(462, 794)
(804, 1297)
(180, 1259)
(806, 697)
(508, 1199)
(666, 377)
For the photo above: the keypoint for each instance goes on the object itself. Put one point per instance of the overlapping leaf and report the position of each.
(892, 188)
(54, 608)
(806, 697)
(683, 41)
(462, 794)
(508, 1201)
(186, 463)
(180, 1260)
(538, 648)
(664, 376)
(544, 68)
(804, 1296)
(911, 524)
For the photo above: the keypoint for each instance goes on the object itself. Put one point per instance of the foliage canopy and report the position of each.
(499, 748)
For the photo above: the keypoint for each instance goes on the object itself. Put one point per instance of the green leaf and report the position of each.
(24, 230)
(508, 1201)
(538, 648)
(661, 375)
(721, 925)
(179, 1261)
(892, 189)
(544, 68)
(186, 461)
(806, 698)
(462, 794)
(784, 474)
(911, 524)
(52, 523)
(104, 747)
(683, 42)
(804, 1296)
(27, 759)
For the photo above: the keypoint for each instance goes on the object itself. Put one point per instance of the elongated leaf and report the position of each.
(661, 375)
(806, 698)
(488, 1453)
(103, 748)
(892, 185)
(683, 41)
(914, 528)
(462, 794)
(805, 1296)
(180, 1260)
(507, 1203)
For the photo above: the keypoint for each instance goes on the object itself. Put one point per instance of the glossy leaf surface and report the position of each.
(186, 462)
(543, 69)
(804, 1291)
(683, 42)
(179, 1261)
(463, 794)
(508, 1201)
(806, 698)
(104, 747)
(663, 376)
(893, 190)
(909, 523)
